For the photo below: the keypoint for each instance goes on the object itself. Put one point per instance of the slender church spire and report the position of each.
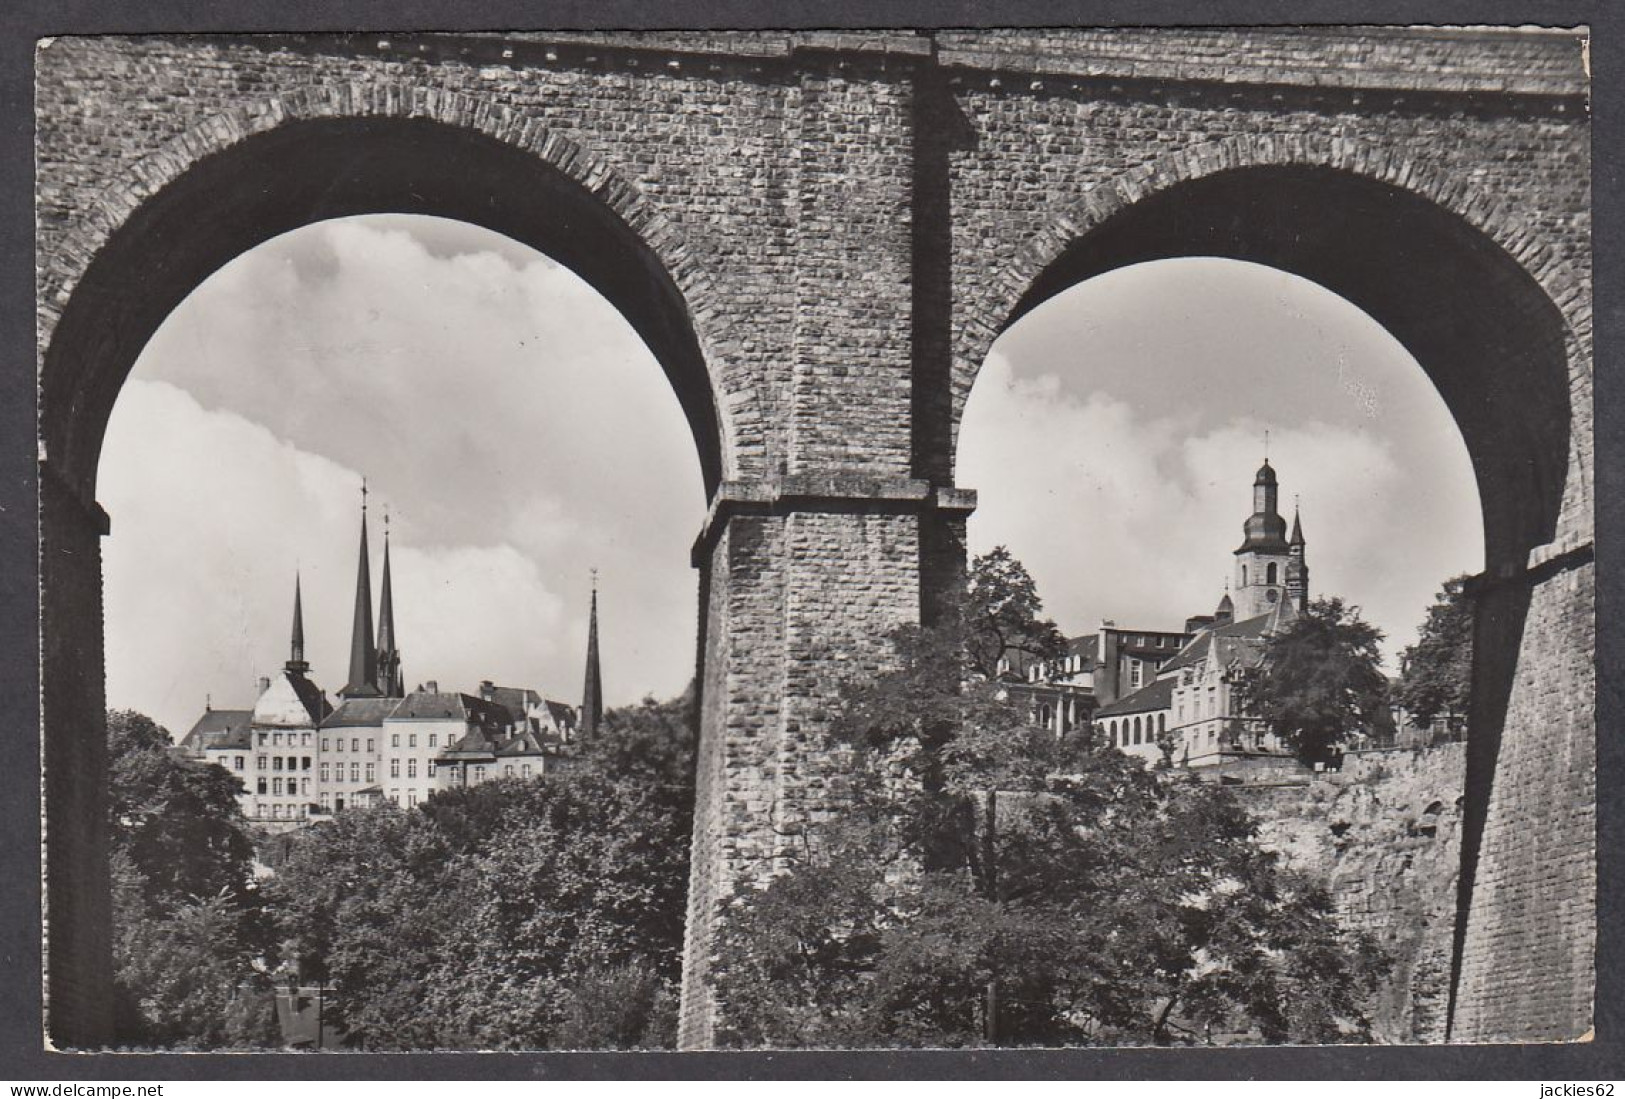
(1297, 565)
(389, 657)
(363, 659)
(592, 691)
(296, 649)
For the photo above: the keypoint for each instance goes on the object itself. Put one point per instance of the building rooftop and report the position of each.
(1158, 695)
(214, 726)
(357, 712)
(1248, 632)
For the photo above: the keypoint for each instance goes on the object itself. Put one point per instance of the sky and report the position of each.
(1114, 433)
(510, 420)
(520, 435)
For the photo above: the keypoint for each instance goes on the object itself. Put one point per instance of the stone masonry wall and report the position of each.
(706, 144)
(1035, 143)
(1535, 893)
(801, 599)
(78, 939)
(1385, 836)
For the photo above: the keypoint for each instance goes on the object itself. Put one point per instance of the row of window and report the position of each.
(285, 812)
(411, 768)
(276, 763)
(302, 740)
(1124, 731)
(292, 787)
(295, 740)
(336, 774)
(394, 742)
(1068, 710)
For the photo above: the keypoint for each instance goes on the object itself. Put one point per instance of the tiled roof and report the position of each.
(213, 726)
(564, 715)
(473, 742)
(1085, 645)
(1158, 695)
(425, 705)
(516, 700)
(355, 712)
(525, 744)
(1196, 650)
(237, 740)
(312, 696)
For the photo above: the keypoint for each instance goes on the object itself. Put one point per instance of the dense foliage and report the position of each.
(1001, 616)
(189, 932)
(518, 914)
(1320, 681)
(995, 885)
(1438, 669)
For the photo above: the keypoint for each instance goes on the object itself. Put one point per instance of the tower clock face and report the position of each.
(1272, 595)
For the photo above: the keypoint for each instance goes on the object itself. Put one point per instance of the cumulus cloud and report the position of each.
(467, 384)
(1113, 437)
(211, 517)
(520, 434)
(516, 427)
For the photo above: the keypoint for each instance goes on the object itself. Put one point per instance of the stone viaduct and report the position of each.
(819, 235)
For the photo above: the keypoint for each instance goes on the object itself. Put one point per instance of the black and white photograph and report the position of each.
(816, 539)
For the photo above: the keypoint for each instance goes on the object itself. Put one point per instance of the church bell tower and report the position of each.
(1264, 557)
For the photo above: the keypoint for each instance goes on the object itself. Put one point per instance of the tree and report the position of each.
(186, 975)
(516, 914)
(190, 936)
(1320, 680)
(1001, 615)
(989, 883)
(370, 902)
(652, 741)
(178, 820)
(579, 890)
(1437, 676)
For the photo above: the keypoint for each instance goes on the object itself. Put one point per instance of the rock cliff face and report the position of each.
(1385, 835)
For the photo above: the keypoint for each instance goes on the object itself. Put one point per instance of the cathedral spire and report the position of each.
(363, 658)
(592, 691)
(389, 657)
(296, 649)
(1297, 526)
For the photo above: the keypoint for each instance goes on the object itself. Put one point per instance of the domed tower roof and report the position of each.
(1265, 530)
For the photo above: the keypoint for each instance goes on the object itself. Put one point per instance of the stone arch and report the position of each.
(170, 219)
(332, 151)
(1484, 299)
(1271, 188)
